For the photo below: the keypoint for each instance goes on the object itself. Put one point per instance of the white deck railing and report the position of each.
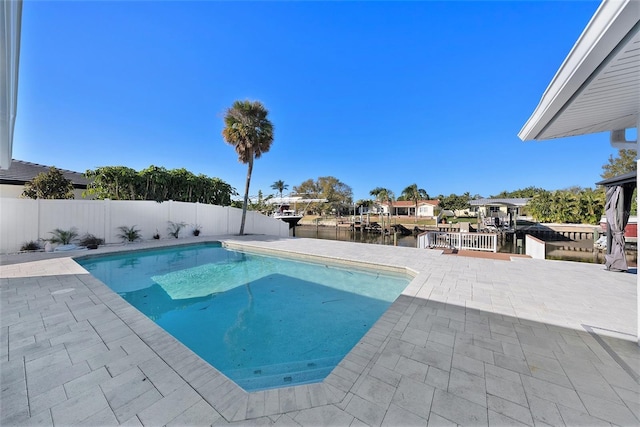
(467, 241)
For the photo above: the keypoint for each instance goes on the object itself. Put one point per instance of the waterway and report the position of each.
(580, 250)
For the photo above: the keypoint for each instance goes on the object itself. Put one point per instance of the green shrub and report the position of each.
(64, 237)
(174, 228)
(30, 246)
(91, 241)
(129, 234)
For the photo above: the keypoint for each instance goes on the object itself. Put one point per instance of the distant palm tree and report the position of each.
(383, 195)
(416, 194)
(280, 186)
(251, 133)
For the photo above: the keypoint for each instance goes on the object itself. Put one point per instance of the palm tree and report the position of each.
(280, 186)
(383, 195)
(251, 133)
(416, 194)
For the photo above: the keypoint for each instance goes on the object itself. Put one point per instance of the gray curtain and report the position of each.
(617, 209)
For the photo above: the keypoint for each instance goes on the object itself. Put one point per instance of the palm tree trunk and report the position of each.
(246, 196)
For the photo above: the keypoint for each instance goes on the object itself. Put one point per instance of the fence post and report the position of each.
(196, 215)
(39, 228)
(107, 220)
(228, 211)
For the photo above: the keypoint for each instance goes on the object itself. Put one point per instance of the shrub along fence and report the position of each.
(24, 220)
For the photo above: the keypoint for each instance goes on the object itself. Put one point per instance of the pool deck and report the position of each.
(471, 341)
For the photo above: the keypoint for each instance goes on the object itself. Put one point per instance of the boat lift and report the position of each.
(291, 216)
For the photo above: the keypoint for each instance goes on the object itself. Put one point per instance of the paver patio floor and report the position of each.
(470, 341)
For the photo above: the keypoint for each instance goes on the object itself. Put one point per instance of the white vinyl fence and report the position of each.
(24, 220)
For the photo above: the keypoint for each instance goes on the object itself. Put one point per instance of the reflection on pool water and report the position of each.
(263, 321)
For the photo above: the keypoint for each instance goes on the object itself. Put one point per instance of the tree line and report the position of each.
(572, 205)
(157, 183)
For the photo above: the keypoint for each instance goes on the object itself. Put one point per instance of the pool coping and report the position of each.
(222, 393)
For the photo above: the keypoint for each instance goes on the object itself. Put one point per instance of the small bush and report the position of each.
(129, 234)
(91, 241)
(174, 228)
(30, 246)
(64, 237)
(156, 235)
(197, 229)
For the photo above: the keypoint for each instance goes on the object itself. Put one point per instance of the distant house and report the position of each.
(426, 208)
(13, 179)
(499, 208)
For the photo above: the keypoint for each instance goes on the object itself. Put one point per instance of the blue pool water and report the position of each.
(263, 321)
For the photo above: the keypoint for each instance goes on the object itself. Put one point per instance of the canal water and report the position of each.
(580, 251)
(345, 234)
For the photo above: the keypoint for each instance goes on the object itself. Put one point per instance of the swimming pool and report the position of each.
(263, 321)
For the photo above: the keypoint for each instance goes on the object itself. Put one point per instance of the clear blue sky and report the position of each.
(376, 94)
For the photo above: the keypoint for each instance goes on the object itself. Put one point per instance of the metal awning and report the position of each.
(627, 178)
(292, 200)
(509, 202)
(597, 87)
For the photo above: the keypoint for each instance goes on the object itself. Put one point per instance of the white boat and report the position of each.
(284, 211)
(289, 216)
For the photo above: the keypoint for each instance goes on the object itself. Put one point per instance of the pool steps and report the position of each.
(283, 374)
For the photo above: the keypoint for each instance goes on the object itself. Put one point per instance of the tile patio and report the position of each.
(471, 341)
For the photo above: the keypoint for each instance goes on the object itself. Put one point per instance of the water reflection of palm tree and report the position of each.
(233, 336)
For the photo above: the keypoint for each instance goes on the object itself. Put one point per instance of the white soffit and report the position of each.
(597, 87)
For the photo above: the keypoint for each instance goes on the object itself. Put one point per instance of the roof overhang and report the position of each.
(626, 179)
(597, 87)
(510, 203)
(10, 21)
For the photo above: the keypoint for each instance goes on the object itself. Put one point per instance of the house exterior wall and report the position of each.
(15, 191)
(426, 210)
(492, 211)
(24, 220)
(11, 191)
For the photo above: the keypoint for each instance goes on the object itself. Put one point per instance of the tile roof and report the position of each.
(20, 172)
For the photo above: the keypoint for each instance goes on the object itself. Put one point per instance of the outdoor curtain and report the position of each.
(617, 209)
